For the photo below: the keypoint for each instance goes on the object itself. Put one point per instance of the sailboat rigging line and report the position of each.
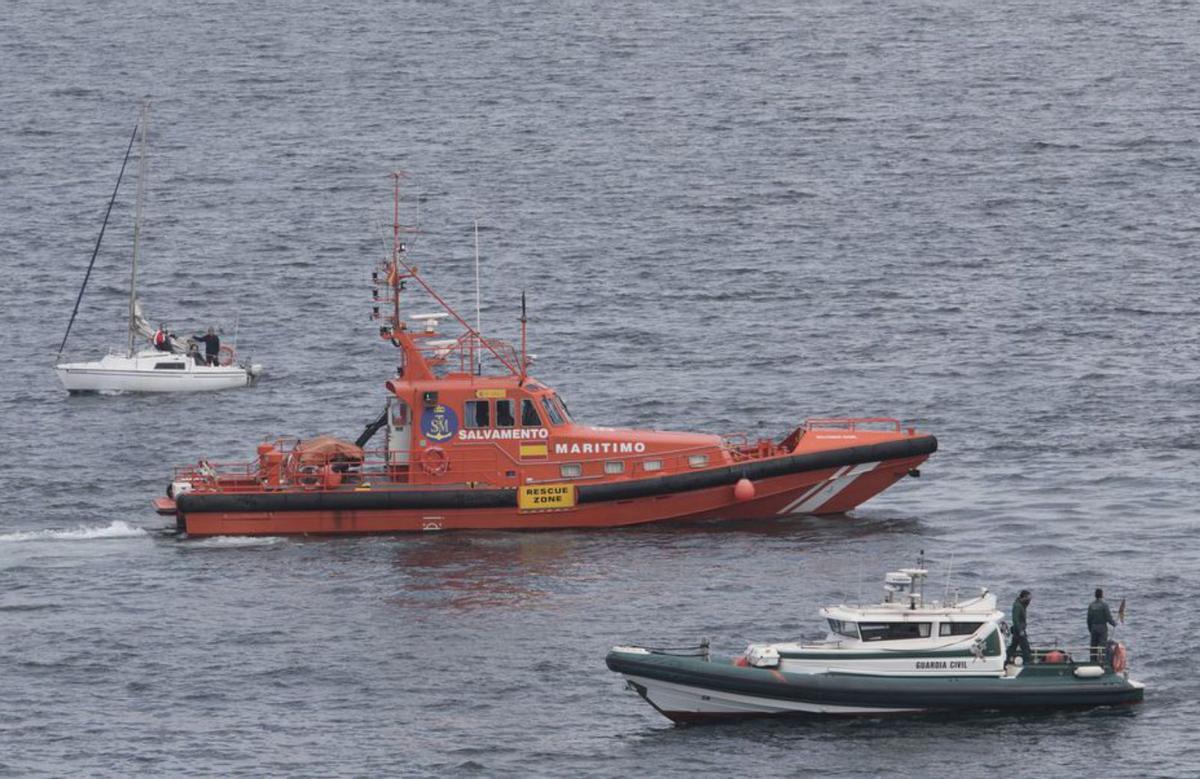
(99, 238)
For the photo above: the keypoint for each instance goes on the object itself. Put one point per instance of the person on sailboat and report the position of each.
(161, 340)
(212, 346)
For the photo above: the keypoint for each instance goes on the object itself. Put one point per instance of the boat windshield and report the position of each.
(562, 406)
(844, 628)
(551, 410)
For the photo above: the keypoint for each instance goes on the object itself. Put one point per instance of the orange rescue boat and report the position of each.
(469, 449)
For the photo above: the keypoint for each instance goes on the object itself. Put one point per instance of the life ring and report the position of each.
(331, 477)
(225, 356)
(434, 461)
(1118, 658)
(309, 477)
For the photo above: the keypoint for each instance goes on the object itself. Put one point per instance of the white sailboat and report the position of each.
(176, 365)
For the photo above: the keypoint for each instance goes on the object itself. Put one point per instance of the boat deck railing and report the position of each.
(1071, 655)
(479, 464)
(488, 464)
(877, 424)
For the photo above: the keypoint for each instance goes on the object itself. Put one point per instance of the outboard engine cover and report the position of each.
(762, 656)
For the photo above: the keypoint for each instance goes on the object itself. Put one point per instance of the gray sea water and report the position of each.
(980, 218)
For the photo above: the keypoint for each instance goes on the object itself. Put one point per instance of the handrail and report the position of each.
(476, 463)
(850, 423)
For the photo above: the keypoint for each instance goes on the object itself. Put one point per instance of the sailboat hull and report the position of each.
(150, 371)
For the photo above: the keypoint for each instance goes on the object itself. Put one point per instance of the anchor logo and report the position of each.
(439, 423)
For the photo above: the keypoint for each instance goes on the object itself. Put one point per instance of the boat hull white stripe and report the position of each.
(671, 697)
(788, 508)
(831, 490)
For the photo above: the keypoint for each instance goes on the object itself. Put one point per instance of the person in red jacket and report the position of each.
(161, 339)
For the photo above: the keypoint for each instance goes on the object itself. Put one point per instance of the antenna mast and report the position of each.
(394, 270)
(478, 315)
(524, 359)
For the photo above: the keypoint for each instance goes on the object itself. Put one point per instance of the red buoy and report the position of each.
(744, 490)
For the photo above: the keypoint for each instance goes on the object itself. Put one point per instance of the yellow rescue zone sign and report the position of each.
(546, 496)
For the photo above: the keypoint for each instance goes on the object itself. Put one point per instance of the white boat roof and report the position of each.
(982, 608)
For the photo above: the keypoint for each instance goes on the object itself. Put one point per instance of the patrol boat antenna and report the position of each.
(414, 364)
(478, 315)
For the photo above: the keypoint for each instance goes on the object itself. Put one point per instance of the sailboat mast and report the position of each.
(137, 228)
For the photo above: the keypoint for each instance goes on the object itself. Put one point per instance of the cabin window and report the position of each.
(958, 628)
(562, 406)
(477, 414)
(551, 411)
(504, 414)
(614, 466)
(168, 366)
(698, 460)
(844, 628)
(571, 470)
(652, 465)
(893, 631)
(529, 414)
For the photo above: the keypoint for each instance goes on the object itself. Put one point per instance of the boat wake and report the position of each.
(233, 542)
(116, 529)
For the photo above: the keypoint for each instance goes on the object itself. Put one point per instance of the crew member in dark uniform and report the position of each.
(1020, 638)
(1099, 618)
(212, 346)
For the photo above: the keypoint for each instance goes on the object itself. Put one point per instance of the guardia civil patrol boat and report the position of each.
(901, 656)
(470, 440)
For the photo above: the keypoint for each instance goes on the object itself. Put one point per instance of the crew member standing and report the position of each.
(1099, 618)
(212, 346)
(1020, 638)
